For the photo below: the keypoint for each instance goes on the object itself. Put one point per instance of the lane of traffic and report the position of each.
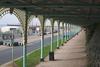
(5, 55)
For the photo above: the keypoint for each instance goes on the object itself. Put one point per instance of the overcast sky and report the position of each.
(9, 19)
(12, 19)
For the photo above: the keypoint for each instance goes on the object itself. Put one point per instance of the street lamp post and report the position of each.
(12, 43)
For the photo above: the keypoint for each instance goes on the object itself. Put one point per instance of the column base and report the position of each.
(42, 59)
(51, 56)
(57, 47)
(62, 44)
(65, 42)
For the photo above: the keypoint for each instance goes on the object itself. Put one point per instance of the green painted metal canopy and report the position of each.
(82, 12)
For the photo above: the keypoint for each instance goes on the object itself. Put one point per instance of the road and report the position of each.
(6, 55)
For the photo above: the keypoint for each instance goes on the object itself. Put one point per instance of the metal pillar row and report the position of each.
(51, 53)
(42, 20)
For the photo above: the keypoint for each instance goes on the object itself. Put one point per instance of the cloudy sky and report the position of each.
(8, 19)
(12, 19)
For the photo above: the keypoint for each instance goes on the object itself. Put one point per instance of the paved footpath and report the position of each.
(72, 54)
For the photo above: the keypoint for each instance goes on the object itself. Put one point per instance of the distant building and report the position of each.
(9, 28)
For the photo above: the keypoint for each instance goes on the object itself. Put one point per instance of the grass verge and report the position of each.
(34, 58)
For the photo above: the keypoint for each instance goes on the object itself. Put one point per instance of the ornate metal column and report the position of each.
(71, 31)
(68, 31)
(51, 53)
(58, 35)
(42, 20)
(25, 40)
(63, 32)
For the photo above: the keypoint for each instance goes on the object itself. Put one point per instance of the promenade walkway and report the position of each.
(72, 54)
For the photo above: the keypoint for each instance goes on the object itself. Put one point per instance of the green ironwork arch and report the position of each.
(30, 18)
(17, 12)
(4, 11)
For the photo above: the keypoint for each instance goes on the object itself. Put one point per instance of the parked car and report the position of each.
(15, 44)
(43, 33)
(9, 44)
(1, 42)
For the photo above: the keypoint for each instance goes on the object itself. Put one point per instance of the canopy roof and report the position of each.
(73, 11)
